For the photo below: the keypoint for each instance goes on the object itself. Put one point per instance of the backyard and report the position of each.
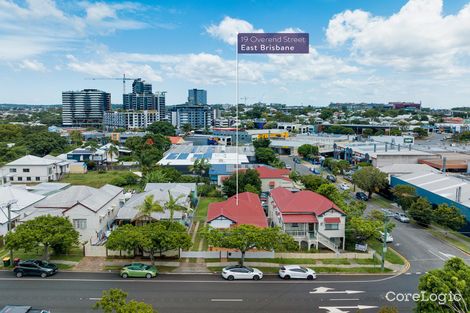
(95, 179)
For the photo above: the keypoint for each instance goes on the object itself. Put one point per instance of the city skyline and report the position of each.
(360, 51)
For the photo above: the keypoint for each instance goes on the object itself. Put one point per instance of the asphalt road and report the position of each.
(77, 292)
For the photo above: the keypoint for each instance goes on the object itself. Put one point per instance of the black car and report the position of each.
(35, 268)
(361, 196)
(21, 309)
(331, 178)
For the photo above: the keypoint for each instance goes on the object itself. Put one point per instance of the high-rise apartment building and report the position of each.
(198, 116)
(130, 119)
(197, 96)
(84, 108)
(142, 98)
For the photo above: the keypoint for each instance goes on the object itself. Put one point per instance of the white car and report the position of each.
(402, 217)
(389, 237)
(289, 167)
(241, 272)
(296, 271)
(344, 186)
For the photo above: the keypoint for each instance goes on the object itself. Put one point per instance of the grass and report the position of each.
(390, 255)
(373, 261)
(336, 261)
(76, 254)
(318, 269)
(92, 178)
(201, 211)
(64, 266)
(455, 238)
(381, 201)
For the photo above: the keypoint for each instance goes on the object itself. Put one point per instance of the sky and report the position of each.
(360, 51)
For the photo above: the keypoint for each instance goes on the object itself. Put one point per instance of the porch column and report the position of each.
(344, 242)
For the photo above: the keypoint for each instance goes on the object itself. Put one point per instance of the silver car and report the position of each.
(402, 217)
(296, 271)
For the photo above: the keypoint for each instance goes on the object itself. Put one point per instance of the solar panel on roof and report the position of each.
(172, 156)
(198, 156)
(183, 156)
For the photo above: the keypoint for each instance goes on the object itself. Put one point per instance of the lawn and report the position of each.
(201, 211)
(93, 178)
(381, 201)
(76, 254)
(390, 255)
(336, 261)
(455, 238)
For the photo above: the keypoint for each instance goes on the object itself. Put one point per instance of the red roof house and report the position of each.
(227, 213)
(274, 177)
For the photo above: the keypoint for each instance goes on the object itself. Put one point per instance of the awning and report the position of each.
(299, 218)
(332, 220)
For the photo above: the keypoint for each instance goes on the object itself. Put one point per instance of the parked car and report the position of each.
(348, 178)
(289, 167)
(297, 160)
(402, 217)
(296, 271)
(361, 196)
(387, 212)
(331, 178)
(344, 186)
(22, 309)
(388, 239)
(315, 170)
(139, 270)
(35, 268)
(241, 272)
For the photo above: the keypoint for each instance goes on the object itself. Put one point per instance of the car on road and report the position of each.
(21, 309)
(139, 270)
(344, 186)
(289, 167)
(315, 170)
(331, 178)
(296, 160)
(241, 272)
(296, 271)
(389, 237)
(35, 268)
(361, 196)
(387, 212)
(402, 217)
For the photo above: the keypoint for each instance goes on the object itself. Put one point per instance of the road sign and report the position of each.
(326, 290)
(360, 247)
(273, 43)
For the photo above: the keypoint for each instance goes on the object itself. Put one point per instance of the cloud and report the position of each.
(419, 37)
(32, 65)
(228, 29)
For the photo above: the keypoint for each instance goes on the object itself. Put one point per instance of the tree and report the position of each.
(452, 279)
(186, 128)
(331, 192)
(421, 211)
(342, 166)
(43, 143)
(313, 182)
(115, 301)
(449, 216)
(172, 205)
(44, 231)
(162, 128)
(152, 238)
(294, 176)
(265, 155)
(200, 168)
(147, 157)
(261, 143)
(76, 137)
(149, 206)
(370, 179)
(405, 195)
(308, 151)
(248, 177)
(421, 132)
(395, 132)
(246, 237)
(368, 132)
(112, 151)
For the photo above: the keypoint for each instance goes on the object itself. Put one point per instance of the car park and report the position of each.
(402, 217)
(344, 186)
(35, 268)
(139, 270)
(361, 196)
(296, 272)
(241, 272)
(388, 239)
(331, 178)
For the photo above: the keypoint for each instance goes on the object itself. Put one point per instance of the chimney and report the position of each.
(444, 165)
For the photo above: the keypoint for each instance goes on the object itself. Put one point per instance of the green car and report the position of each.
(139, 270)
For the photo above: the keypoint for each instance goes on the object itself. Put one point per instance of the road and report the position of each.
(77, 292)
(300, 168)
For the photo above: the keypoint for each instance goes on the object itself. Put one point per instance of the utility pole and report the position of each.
(384, 246)
(9, 223)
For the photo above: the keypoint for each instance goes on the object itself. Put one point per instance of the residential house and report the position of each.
(273, 177)
(228, 213)
(312, 219)
(30, 168)
(184, 194)
(91, 210)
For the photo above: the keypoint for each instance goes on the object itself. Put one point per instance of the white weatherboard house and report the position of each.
(30, 168)
(91, 210)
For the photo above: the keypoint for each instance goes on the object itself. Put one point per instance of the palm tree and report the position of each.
(149, 206)
(200, 168)
(173, 205)
(113, 150)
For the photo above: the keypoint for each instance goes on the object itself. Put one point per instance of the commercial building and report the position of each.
(324, 142)
(84, 108)
(294, 127)
(143, 98)
(405, 105)
(130, 119)
(198, 116)
(197, 96)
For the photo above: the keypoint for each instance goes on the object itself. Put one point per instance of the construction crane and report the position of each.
(123, 78)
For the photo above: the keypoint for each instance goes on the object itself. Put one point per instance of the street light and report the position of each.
(8, 206)
(384, 246)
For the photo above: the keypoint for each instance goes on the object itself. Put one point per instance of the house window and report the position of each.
(28, 178)
(38, 178)
(79, 223)
(331, 226)
(11, 178)
(26, 170)
(20, 178)
(12, 170)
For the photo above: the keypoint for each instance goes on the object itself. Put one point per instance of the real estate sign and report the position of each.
(273, 43)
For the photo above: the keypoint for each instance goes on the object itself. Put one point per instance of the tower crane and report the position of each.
(123, 78)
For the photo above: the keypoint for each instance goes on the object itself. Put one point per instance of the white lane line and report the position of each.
(226, 300)
(418, 273)
(94, 299)
(435, 254)
(407, 273)
(354, 299)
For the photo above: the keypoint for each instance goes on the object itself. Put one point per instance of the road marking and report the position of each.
(94, 299)
(323, 290)
(354, 299)
(407, 273)
(441, 258)
(418, 273)
(338, 309)
(447, 255)
(226, 300)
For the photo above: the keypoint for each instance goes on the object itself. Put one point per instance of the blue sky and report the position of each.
(371, 51)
